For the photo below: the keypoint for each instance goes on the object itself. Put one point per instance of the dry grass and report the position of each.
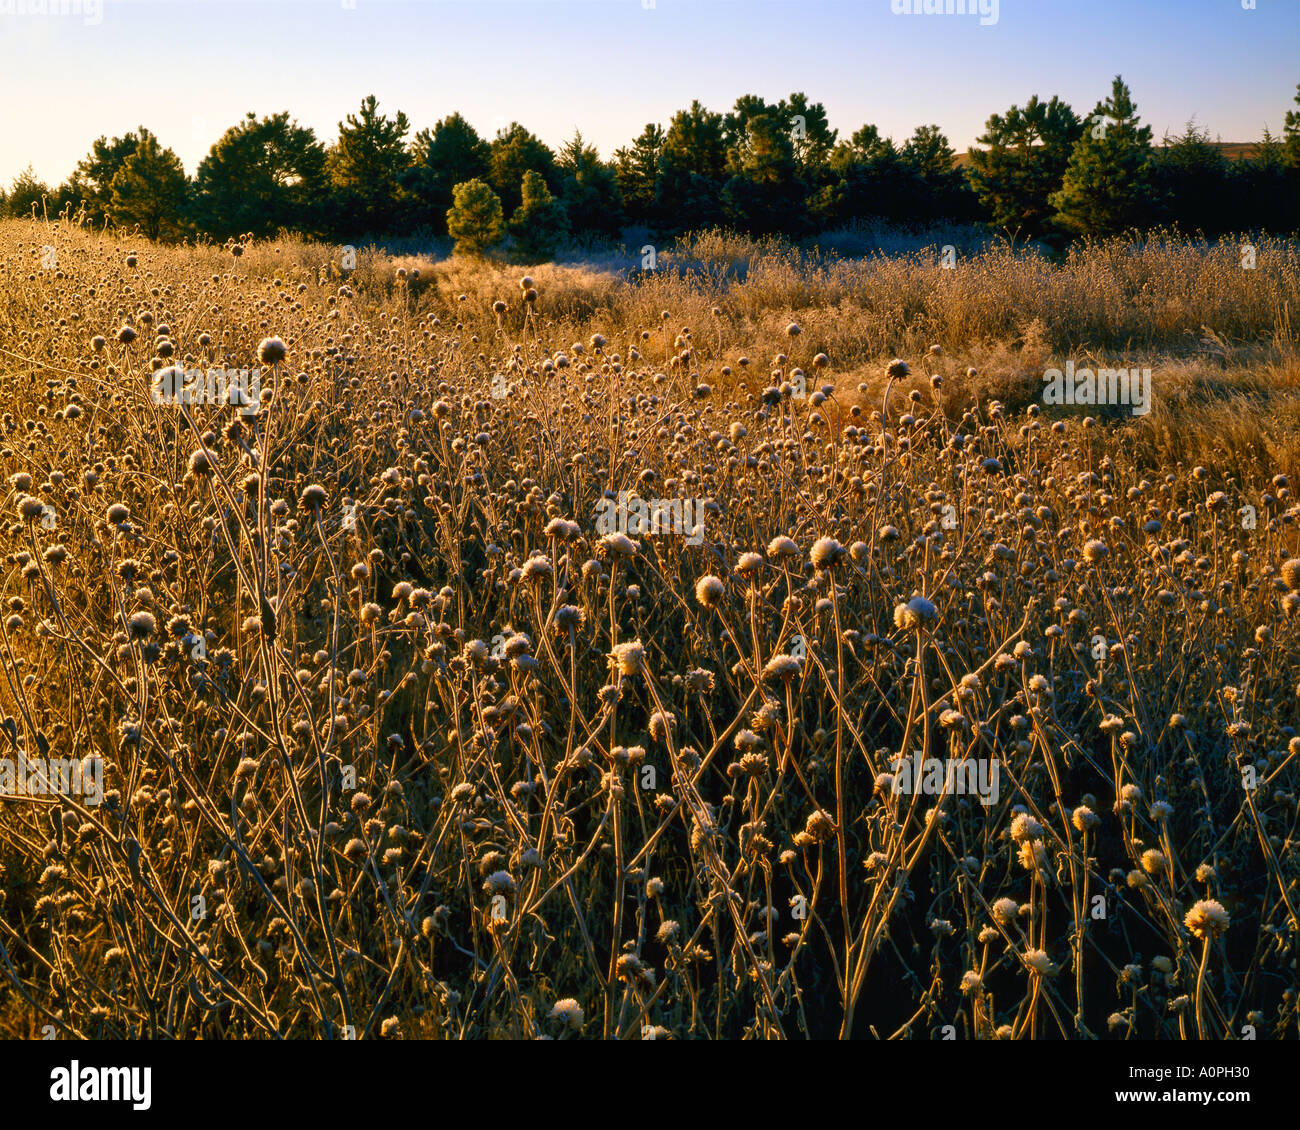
(417, 783)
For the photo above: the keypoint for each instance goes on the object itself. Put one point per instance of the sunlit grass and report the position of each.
(453, 762)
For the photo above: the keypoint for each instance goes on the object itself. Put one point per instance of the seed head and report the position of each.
(709, 590)
(1094, 551)
(569, 1013)
(1207, 918)
(1040, 963)
(782, 547)
(628, 658)
(915, 614)
(271, 351)
(313, 497)
(618, 545)
(827, 552)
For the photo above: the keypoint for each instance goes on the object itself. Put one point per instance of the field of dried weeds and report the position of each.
(963, 717)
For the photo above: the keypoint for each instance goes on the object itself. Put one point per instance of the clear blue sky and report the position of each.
(188, 69)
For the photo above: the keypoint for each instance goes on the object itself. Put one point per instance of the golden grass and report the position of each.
(451, 762)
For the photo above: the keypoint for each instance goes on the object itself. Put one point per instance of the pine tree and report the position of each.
(810, 132)
(475, 220)
(91, 184)
(1268, 189)
(637, 171)
(27, 192)
(692, 169)
(1027, 151)
(262, 175)
(1291, 136)
(1106, 188)
(735, 123)
(765, 193)
(367, 165)
(1193, 184)
(589, 190)
(941, 186)
(151, 190)
(449, 154)
(869, 179)
(538, 224)
(515, 152)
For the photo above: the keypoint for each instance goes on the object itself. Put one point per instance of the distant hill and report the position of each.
(1233, 150)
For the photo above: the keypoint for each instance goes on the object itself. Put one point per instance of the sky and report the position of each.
(189, 69)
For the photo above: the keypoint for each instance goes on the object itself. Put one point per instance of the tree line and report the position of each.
(1038, 171)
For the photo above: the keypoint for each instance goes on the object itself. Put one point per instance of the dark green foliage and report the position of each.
(813, 138)
(27, 192)
(476, 220)
(765, 193)
(1268, 189)
(636, 169)
(449, 154)
(261, 176)
(539, 222)
(1195, 186)
(367, 167)
(870, 178)
(692, 169)
(1291, 136)
(1022, 163)
(1106, 189)
(940, 188)
(1038, 171)
(515, 152)
(91, 184)
(151, 190)
(589, 190)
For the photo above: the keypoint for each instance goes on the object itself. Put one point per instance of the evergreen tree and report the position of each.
(1269, 195)
(262, 175)
(692, 169)
(68, 202)
(1194, 185)
(91, 184)
(538, 224)
(869, 179)
(513, 153)
(735, 123)
(637, 172)
(28, 192)
(367, 166)
(589, 190)
(1291, 136)
(449, 154)
(941, 188)
(1106, 188)
(1023, 163)
(151, 190)
(765, 194)
(476, 220)
(810, 132)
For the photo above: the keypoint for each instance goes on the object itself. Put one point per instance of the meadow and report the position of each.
(397, 741)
